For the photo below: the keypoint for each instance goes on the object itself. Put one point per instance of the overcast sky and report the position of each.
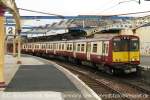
(82, 7)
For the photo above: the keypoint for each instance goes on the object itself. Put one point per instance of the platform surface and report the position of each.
(36, 79)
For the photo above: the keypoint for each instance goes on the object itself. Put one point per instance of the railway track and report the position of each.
(106, 88)
(98, 86)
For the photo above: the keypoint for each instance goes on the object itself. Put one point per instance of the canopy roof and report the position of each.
(11, 5)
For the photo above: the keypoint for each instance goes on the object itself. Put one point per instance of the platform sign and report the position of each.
(10, 30)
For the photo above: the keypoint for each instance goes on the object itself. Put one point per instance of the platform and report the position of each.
(39, 79)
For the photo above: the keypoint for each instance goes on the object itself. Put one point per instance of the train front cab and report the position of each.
(126, 53)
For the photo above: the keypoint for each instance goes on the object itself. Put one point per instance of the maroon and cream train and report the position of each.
(119, 53)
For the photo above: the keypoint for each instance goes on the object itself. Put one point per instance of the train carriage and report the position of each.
(114, 53)
(61, 49)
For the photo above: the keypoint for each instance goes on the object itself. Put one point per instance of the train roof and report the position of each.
(99, 38)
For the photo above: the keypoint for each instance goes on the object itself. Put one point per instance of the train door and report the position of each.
(133, 50)
(88, 50)
(128, 43)
(74, 49)
(103, 51)
(54, 48)
(124, 52)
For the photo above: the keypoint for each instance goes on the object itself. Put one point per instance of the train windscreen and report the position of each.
(125, 45)
(134, 45)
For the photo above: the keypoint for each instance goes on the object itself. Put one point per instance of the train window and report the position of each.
(48, 46)
(107, 47)
(82, 47)
(70, 46)
(88, 47)
(134, 45)
(67, 46)
(54, 46)
(78, 47)
(62, 46)
(116, 46)
(74, 46)
(45, 46)
(121, 45)
(126, 45)
(59, 46)
(51, 46)
(94, 48)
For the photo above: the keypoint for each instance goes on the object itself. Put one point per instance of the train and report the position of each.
(113, 54)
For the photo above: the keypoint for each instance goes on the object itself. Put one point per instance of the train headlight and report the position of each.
(119, 60)
(116, 60)
(132, 59)
(138, 59)
(135, 59)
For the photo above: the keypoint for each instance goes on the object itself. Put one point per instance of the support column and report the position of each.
(19, 48)
(14, 46)
(2, 47)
